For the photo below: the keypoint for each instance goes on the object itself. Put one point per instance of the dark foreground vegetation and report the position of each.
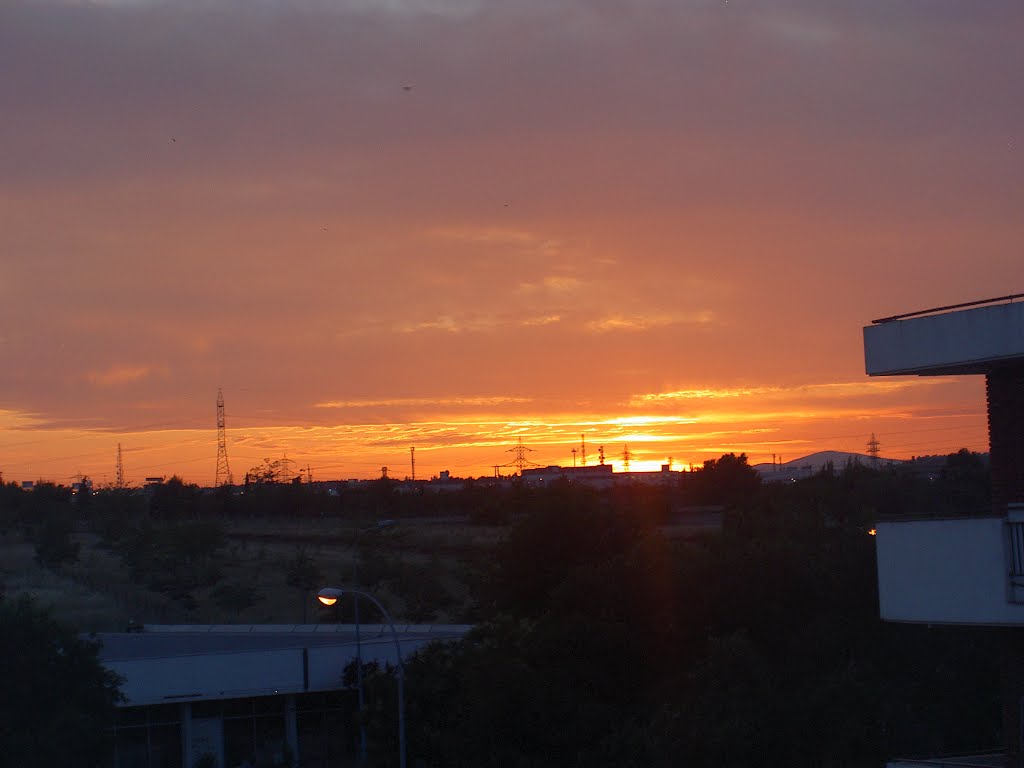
(606, 638)
(607, 644)
(56, 699)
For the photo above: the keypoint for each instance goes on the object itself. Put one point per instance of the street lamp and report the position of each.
(359, 648)
(329, 596)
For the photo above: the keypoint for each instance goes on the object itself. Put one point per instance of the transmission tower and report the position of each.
(223, 470)
(383, 473)
(600, 454)
(626, 455)
(412, 460)
(583, 451)
(120, 468)
(286, 468)
(519, 462)
(873, 446)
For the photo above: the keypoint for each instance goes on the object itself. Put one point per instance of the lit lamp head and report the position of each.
(329, 595)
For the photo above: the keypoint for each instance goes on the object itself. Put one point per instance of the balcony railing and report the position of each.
(1015, 552)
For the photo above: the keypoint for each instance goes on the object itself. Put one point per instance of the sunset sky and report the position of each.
(449, 224)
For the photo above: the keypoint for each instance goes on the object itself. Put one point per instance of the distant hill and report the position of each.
(813, 463)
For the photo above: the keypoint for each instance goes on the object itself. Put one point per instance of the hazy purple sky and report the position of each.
(450, 224)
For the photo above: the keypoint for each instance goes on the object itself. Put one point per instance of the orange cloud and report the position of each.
(646, 322)
(542, 320)
(422, 401)
(118, 375)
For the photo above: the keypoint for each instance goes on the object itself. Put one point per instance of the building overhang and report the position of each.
(963, 341)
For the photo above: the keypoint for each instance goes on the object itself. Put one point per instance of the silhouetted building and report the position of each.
(964, 570)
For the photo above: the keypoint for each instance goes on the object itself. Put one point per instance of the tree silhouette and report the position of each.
(57, 699)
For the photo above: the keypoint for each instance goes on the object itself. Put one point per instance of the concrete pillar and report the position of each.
(1012, 695)
(292, 729)
(186, 733)
(1004, 390)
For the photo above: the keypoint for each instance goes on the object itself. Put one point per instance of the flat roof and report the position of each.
(163, 664)
(158, 643)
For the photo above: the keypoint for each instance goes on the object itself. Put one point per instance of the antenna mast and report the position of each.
(223, 470)
(626, 455)
(583, 451)
(412, 460)
(120, 468)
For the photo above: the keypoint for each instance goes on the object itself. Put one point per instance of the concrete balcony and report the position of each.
(969, 341)
(952, 570)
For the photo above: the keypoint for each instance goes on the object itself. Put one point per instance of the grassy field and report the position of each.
(423, 571)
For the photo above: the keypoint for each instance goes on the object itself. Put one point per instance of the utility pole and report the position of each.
(574, 457)
(223, 476)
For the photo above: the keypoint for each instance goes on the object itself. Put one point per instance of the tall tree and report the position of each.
(57, 699)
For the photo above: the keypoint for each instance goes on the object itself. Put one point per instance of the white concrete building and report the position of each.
(964, 570)
(246, 695)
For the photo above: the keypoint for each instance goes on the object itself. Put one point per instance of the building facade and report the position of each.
(967, 570)
(246, 696)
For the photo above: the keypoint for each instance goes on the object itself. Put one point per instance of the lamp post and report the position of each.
(329, 596)
(359, 647)
(359, 665)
